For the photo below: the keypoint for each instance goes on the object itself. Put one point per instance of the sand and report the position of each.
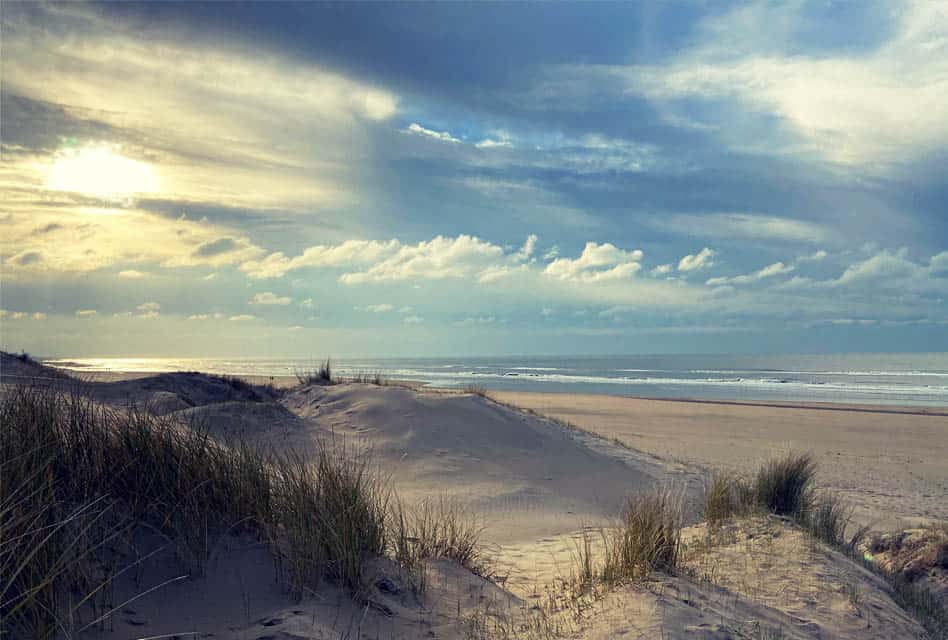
(890, 463)
(535, 484)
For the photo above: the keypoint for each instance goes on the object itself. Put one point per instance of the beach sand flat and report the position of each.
(891, 463)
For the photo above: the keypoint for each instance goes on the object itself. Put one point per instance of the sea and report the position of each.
(916, 379)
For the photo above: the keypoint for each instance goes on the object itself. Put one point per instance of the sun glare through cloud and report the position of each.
(101, 172)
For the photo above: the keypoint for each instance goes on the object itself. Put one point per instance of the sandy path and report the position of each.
(892, 466)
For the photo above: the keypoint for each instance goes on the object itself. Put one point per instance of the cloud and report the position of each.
(348, 253)
(438, 258)
(215, 248)
(745, 225)
(775, 269)
(939, 263)
(884, 105)
(488, 143)
(413, 320)
(25, 259)
(242, 317)
(698, 261)
(661, 269)
(86, 313)
(307, 303)
(47, 228)
(816, 256)
(379, 308)
(597, 263)
(132, 274)
(100, 237)
(268, 298)
(199, 316)
(443, 136)
(476, 320)
(885, 265)
(208, 134)
(21, 315)
(149, 310)
(526, 251)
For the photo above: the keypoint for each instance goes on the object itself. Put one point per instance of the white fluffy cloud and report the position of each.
(437, 258)
(488, 143)
(597, 263)
(771, 270)
(348, 253)
(419, 130)
(885, 265)
(697, 261)
(149, 310)
(268, 298)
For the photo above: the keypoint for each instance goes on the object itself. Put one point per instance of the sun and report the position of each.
(101, 172)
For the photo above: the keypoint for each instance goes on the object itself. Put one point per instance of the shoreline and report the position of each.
(287, 381)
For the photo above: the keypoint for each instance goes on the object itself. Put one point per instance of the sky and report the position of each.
(473, 178)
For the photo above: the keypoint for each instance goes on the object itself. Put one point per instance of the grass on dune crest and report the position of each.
(781, 485)
(320, 374)
(78, 479)
(646, 538)
(785, 486)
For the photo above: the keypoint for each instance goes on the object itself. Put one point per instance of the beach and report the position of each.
(891, 463)
(535, 480)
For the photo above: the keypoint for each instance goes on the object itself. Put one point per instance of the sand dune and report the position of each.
(535, 483)
(529, 476)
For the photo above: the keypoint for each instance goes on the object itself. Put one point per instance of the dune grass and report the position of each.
(646, 538)
(784, 486)
(320, 374)
(76, 476)
(475, 389)
(436, 528)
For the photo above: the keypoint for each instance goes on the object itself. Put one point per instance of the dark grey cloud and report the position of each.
(27, 258)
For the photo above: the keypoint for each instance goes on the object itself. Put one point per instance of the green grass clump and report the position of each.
(784, 485)
(827, 520)
(726, 496)
(321, 374)
(781, 485)
(647, 539)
